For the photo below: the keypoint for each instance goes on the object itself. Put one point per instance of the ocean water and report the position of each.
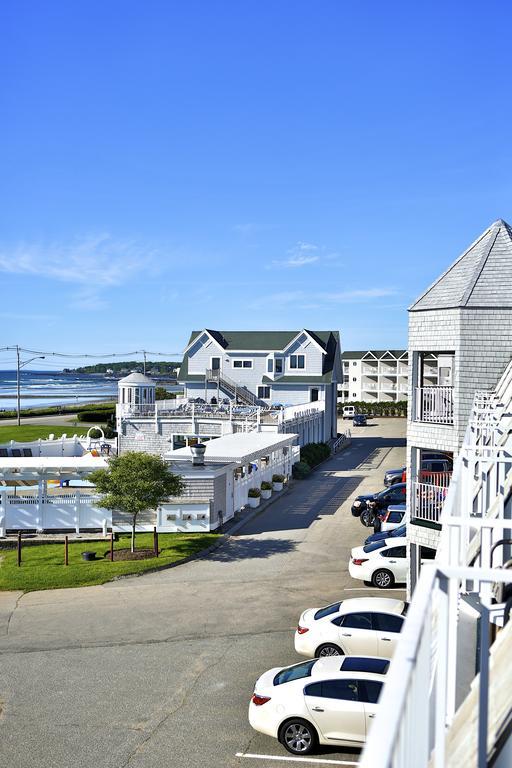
(54, 388)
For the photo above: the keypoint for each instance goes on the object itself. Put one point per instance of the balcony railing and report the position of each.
(434, 404)
(427, 500)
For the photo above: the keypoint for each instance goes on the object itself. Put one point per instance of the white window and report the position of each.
(270, 365)
(242, 363)
(264, 393)
(279, 364)
(297, 361)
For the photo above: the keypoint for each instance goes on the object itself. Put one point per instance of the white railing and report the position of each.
(371, 370)
(435, 711)
(434, 405)
(369, 385)
(427, 501)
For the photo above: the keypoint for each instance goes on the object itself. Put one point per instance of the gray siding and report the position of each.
(313, 361)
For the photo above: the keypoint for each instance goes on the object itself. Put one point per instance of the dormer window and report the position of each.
(297, 361)
(279, 364)
(270, 365)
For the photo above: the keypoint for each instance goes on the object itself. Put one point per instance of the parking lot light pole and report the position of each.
(19, 366)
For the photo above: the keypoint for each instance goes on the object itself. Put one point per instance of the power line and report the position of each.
(92, 355)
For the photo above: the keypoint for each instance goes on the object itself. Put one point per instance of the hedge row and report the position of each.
(314, 453)
(376, 409)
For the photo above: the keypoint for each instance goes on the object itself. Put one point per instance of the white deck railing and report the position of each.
(432, 684)
(434, 404)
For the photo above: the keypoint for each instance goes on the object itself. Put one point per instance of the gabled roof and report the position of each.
(265, 341)
(259, 341)
(481, 277)
(375, 353)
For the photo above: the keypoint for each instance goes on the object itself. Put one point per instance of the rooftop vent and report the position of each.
(198, 451)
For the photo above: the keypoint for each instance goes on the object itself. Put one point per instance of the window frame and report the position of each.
(242, 362)
(264, 387)
(295, 358)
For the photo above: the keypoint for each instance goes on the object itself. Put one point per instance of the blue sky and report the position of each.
(169, 166)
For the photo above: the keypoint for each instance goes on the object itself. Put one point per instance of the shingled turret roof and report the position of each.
(481, 277)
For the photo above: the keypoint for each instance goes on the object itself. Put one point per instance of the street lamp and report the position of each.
(19, 366)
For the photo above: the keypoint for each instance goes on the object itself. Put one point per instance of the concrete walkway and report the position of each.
(159, 669)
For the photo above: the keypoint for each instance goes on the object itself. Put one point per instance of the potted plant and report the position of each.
(277, 482)
(254, 497)
(266, 490)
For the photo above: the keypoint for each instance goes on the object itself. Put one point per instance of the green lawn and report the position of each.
(43, 565)
(28, 432)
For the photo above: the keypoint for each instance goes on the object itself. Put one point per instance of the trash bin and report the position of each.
(88, 556)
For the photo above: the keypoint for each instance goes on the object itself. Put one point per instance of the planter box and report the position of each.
(266, 494)
(252, 502)
(277, 486)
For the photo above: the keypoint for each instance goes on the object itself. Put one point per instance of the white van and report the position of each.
(349, 411)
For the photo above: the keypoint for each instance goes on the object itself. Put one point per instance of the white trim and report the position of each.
(196, 339)
(219, 357)
(322, 350)
(297, 368)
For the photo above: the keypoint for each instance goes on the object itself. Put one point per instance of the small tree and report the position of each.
(134, 482)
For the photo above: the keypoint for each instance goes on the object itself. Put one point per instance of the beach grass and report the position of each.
(43, 564)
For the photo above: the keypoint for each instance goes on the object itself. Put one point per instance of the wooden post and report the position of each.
(66, 559)
(112, 546)
(155, 541)
(19, 549)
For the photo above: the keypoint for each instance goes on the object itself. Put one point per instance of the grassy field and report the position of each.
(28, 432)
(43, 565)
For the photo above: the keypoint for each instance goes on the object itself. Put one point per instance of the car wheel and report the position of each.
(328, 649)
(383, 579)
(367, 517)
(298, 736)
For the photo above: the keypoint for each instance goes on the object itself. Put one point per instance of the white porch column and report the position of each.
(41, 497)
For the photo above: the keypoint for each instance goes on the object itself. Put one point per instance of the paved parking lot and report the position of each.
(158, 670)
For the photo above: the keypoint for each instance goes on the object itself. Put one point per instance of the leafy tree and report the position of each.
(161, 393)
(134, 482)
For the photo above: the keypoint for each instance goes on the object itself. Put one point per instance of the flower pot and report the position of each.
(266, 494)
(88, 556)
(277, 486)
(253, 502)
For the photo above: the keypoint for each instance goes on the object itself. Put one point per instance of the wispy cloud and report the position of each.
(319, 299)
(245, 228)
(298, 256)
(93, 264)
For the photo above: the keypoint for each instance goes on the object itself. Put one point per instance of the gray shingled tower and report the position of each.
(460, 341)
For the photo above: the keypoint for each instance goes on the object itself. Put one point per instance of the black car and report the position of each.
(393, 476)
(359, 420)
(367, 505)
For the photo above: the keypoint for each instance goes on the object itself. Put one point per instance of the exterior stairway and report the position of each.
(237, 392)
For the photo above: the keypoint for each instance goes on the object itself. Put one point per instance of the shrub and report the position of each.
(300, 470)
(93, 416)
(314, 453)
(254, 493)
(278, 478)
(266, 486)
(95, 434)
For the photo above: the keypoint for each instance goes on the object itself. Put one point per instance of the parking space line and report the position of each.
(316, 760)
(372, 589)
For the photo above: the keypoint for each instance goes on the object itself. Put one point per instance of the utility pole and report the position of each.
(144, 353)
(18, 404)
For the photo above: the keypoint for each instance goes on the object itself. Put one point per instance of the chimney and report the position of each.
(198, 451)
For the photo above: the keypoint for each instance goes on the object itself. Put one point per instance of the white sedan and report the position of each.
(323, 701)
(368, 625)
(382, 563)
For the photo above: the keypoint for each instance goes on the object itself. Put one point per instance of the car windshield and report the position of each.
(362, 664)
(294, 673)
(328, 610)
(374, 545)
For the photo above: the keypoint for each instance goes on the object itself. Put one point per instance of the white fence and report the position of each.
(58, 511)
(434, 404)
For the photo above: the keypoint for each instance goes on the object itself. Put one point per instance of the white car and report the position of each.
(367, 625)
(323, 701)
(382, 563)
